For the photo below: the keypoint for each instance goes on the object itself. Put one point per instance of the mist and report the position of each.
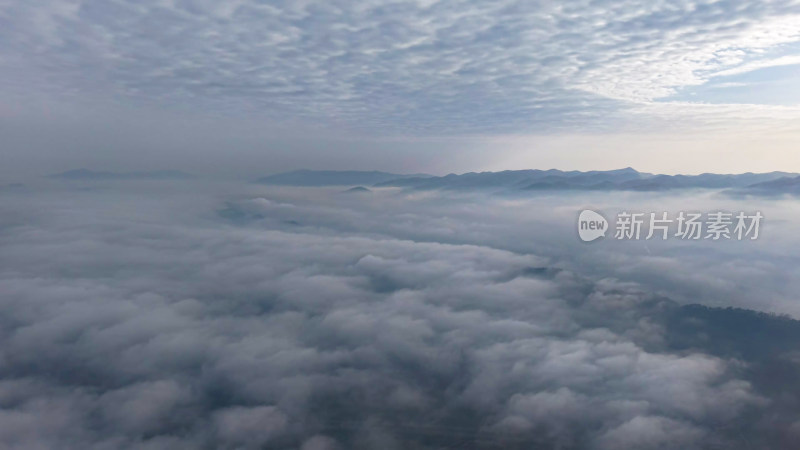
(201, 314)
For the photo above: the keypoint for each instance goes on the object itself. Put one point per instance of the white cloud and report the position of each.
(434, 67)
(133, 321)
(788, 60)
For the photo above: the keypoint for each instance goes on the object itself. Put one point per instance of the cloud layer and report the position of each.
(421, 66)
(208, 317)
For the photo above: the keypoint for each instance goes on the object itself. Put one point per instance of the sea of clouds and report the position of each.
(168, 315)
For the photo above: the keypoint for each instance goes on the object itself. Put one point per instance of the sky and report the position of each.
(246, 87)
(215, 312)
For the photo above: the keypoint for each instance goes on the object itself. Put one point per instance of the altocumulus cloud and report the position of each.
(443, 67)
(199, 318)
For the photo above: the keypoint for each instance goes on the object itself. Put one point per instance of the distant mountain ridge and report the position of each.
(528, 180)
(627, 179)
(783, 185)
(332, 178)
(86, 174)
